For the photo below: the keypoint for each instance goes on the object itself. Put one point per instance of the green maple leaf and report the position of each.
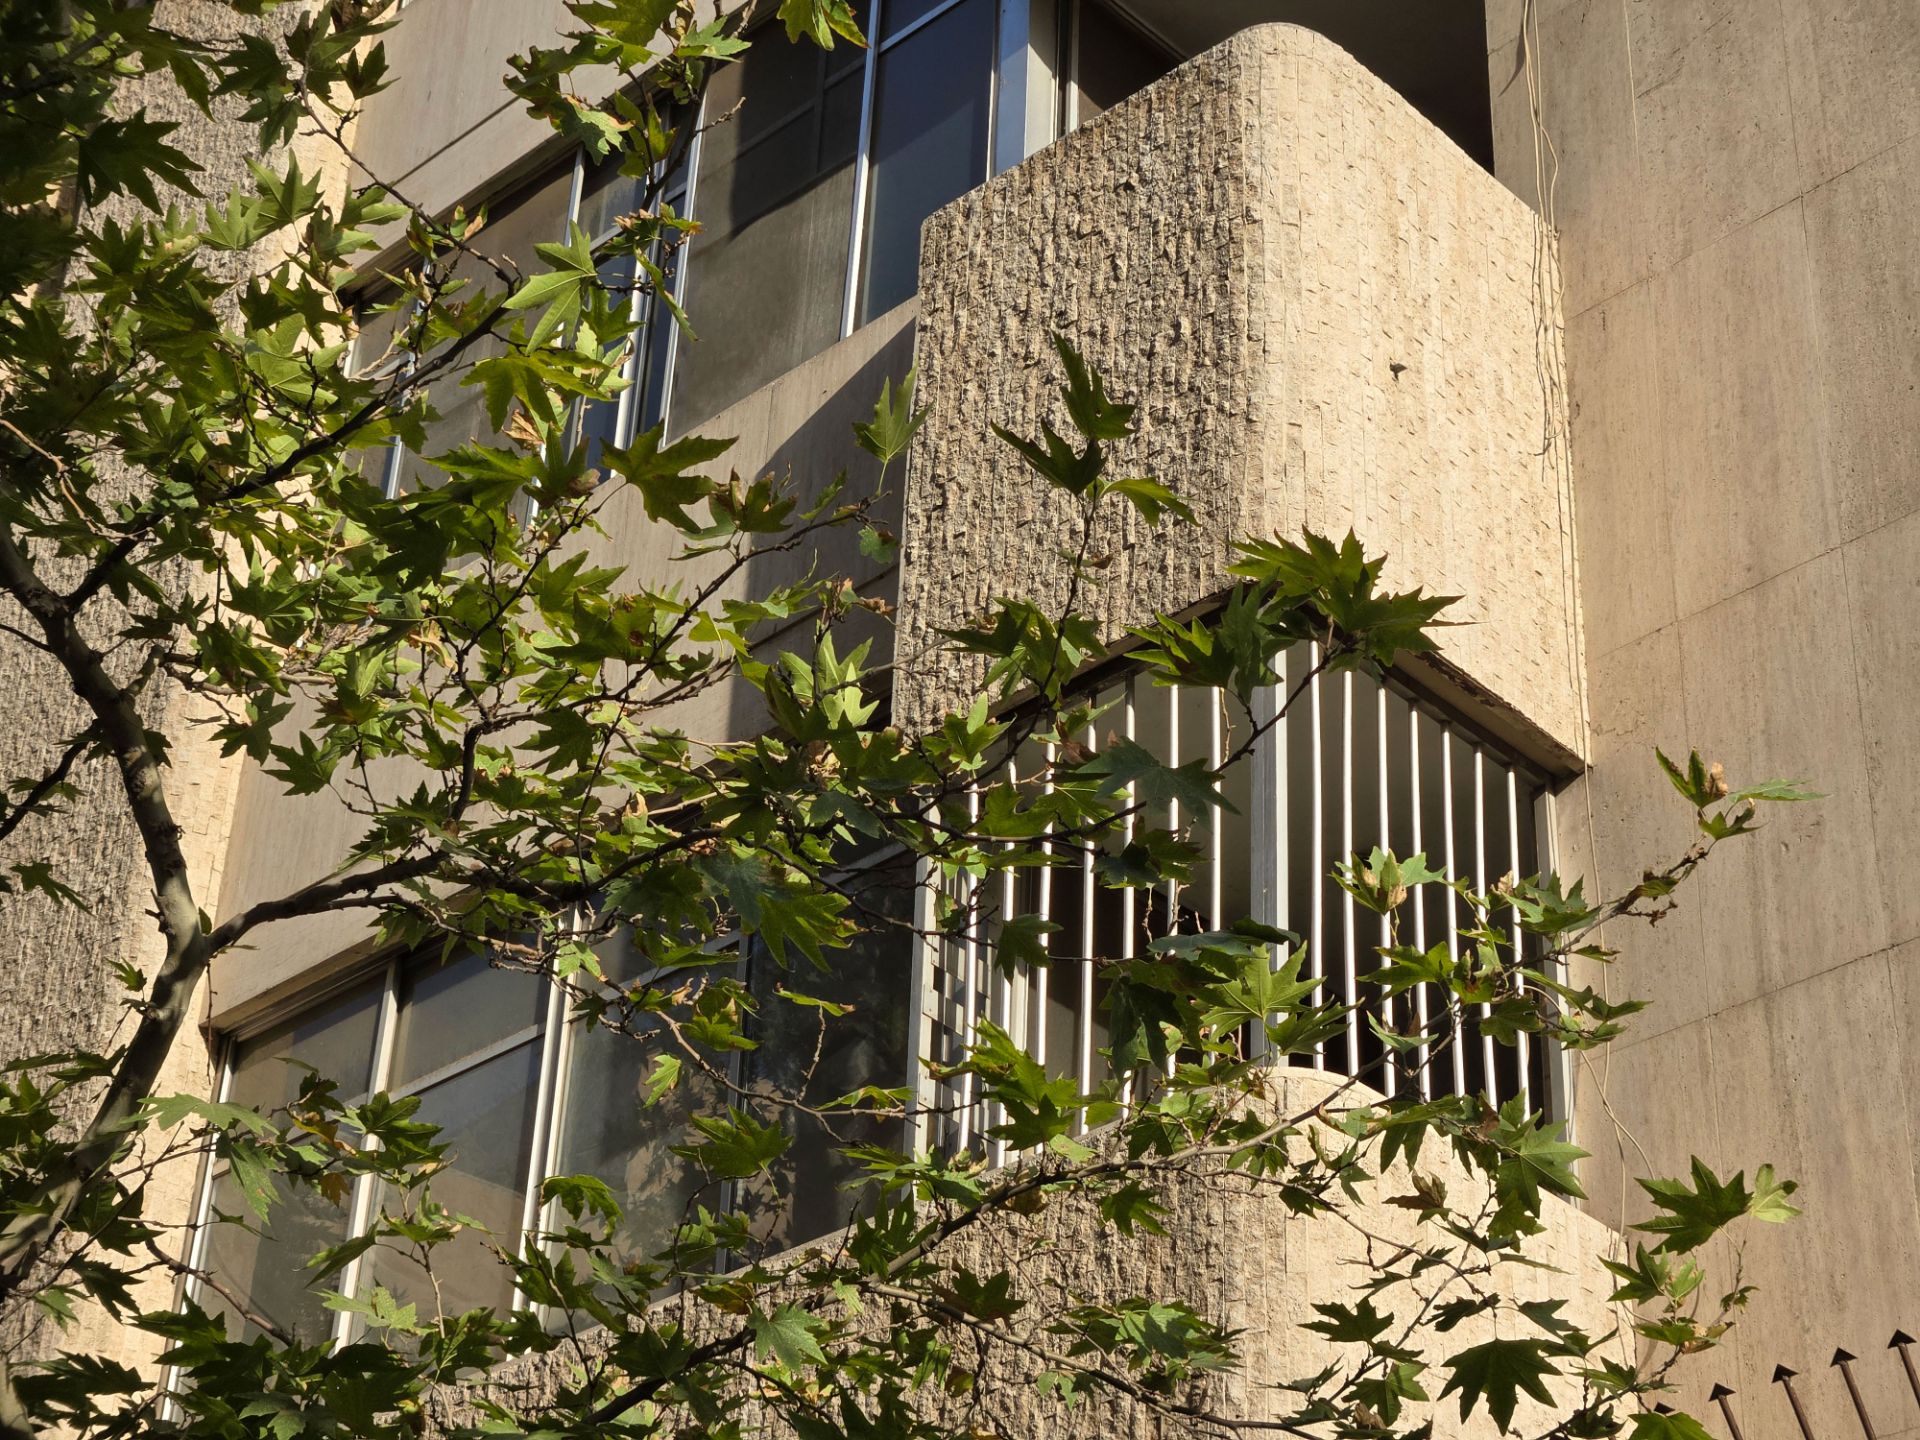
(1696, 1213)
(790, 1335)
(1652, 1425)
(1125, 762)
(894, 421)
(1497, 1372)
(820, 21)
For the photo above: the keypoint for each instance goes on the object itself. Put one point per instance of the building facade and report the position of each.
(1599, 313)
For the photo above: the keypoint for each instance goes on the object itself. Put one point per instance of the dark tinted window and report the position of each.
(931, 102)
(774, 197)
(1113, 58)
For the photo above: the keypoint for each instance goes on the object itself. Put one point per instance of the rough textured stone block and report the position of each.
(1332, 319)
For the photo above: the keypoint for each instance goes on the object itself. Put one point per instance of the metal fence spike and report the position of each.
(1845, 1361)
(1904, 1343)
(1720, 1395)
(1783, 1377)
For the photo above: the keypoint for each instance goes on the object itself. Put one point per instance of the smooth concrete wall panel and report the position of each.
(1629, 813)
(1770, 691)
(1712, 118)
(1776, 146)
(1853, 68)
(1883, 602)
(1866, 289)
(448, 60)
(1624, 520)
(1734, 333)
(1331, 319)
(1588, 89)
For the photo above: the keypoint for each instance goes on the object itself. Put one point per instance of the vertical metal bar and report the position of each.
(1316, 945)
(1174, 820)
(1282, 800)
(1417, 844)
(926, 1003)
(1084, 1030)
(1459, 1011)
(1390, 1059)
(1263, 826)
(1560, 1061)
(1129, 898)
(1174, 817)
(1350, 926)
(1523, 1048)
(970, 993)
(999, 984)
(1216, 829)
(1480, 882)
(862, 173)
(363, 1196)
(543, 1126)
(1037, 1022)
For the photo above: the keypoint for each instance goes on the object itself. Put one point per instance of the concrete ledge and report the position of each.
(1330, 317)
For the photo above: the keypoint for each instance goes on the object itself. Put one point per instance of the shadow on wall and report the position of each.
(809, 436)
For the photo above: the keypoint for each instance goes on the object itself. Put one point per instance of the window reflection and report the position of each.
(266, 1263)
(774, 198)
(803, 1058)
(932, 96)
(486, 1119)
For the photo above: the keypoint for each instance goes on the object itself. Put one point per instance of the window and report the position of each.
(809, 182)
(607, 1129)
(468, 1041)
(605, 196)
(930, 126)
(1111, 59)
(376, 356)
(796, 1059)
(1354, 764)
(515, 225)
(774, 197)
(521, 1090)
(267, 1264)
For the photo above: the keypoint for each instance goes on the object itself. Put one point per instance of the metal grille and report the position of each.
(1354, 763)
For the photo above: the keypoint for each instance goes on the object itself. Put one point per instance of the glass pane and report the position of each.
(650, 405)
(335, 1038)
(931, 101)
(486, 1119)
(451, 1011)
(269, 1271)
(774, 199)
(897, 15)
(867, 1047)
(1113, 59)
(609, 1132)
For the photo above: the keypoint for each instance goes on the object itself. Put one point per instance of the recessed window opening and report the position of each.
(1433, 52)
(524, 1084)
(1356, 762)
